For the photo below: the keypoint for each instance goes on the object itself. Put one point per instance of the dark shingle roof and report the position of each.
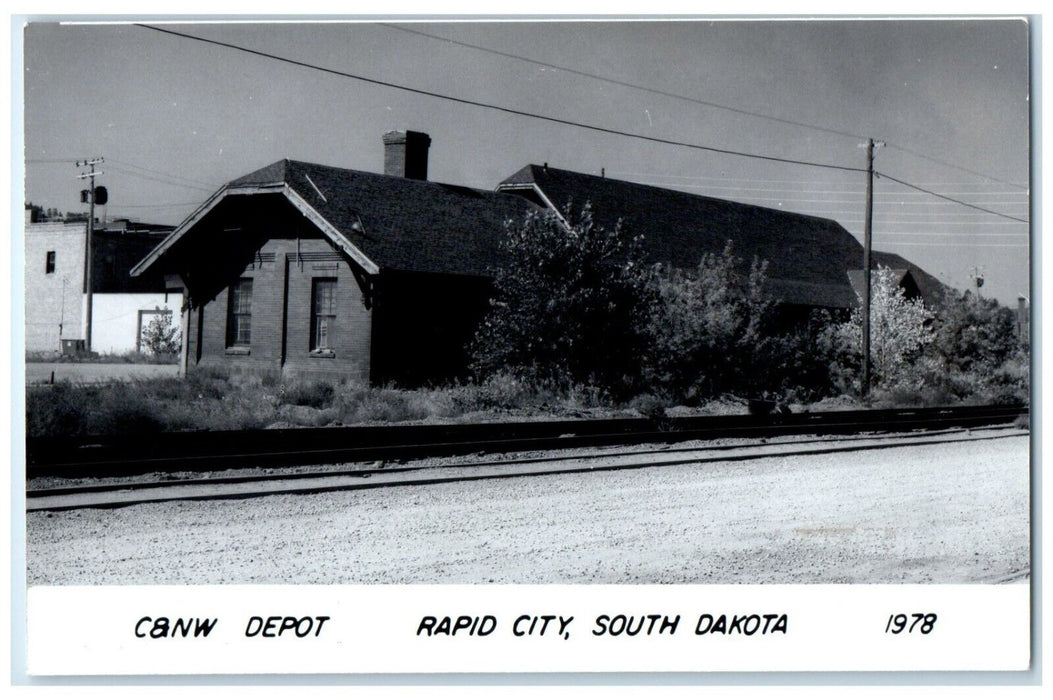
(405, 224)
(931, 289)
(422, 226)
(807, 255)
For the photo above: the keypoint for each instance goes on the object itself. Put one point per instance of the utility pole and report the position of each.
(88, 287)
(867, 235)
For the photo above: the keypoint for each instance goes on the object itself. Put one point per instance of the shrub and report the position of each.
(56, 410)
(209, 383)
(569, 306)
(388, 405)
(651, 406)
(313, 394)
(973, 333)
(113, 408)
(707, 329)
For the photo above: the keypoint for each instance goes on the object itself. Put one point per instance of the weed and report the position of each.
(313, 394)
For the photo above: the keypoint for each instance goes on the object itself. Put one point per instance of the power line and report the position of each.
(939, 234)
(163, 181)
(941, 224)
(769, 190)
(168, 205)
(165, 174)
(955, 167)
(677, 96)
(828, 191)
(959, 245)
(557, 120)
(499, 108)
(628, 173)
(622, 83)
(950, 199)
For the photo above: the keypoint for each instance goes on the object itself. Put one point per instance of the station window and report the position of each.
(323, 313)
(49, 264)
(239, 314)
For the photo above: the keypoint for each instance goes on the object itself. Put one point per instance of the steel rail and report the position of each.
(213, 451)
(438, 477)
(368, 471)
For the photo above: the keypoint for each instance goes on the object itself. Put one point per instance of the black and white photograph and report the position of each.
(585, 302)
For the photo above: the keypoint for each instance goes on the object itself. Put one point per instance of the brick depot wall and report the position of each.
(423, 325)
(282, 271)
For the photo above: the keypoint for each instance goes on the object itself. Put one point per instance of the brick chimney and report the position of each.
(406, 154)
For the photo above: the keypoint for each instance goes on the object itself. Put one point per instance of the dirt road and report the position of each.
(953, 513)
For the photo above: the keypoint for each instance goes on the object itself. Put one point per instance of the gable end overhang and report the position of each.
(513, 187)
(310, 213)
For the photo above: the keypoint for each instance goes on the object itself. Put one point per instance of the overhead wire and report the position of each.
(201, 183)
(567, 122)
(623, 83)
(628, 173)
(167, 205)
(164, 181)
(953, 166)
(500, 108)
(687, 98)
(949, 199)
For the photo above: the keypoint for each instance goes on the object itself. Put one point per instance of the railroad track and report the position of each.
(121, 494)
(215, 451)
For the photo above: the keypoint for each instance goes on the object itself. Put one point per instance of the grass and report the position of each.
(125, 358)
(212, 399)
(216, 400)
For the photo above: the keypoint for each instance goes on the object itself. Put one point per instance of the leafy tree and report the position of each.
(707, 328)
(569, 305)
(973, 333)
(977, 354)
(900, 330)
(161, 337)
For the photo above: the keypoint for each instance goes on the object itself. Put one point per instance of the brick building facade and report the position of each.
(304, 270)
(299, 269)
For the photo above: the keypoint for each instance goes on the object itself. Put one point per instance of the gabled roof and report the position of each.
(383, 221)
(387, 222)
(807, 256)
(901, 276)
(931, 289)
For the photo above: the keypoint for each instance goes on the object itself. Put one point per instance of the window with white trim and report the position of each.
(239, 314)
(323, 313)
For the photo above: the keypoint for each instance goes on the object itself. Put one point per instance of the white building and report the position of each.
(56, 296)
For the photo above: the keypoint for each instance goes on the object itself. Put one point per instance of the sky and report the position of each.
(175, 117)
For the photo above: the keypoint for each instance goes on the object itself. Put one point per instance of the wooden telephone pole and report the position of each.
(867, 235)
(88, 286)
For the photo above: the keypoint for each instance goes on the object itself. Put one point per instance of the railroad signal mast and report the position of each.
(91, 196)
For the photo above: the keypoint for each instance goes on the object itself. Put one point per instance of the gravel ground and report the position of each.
(954, 513)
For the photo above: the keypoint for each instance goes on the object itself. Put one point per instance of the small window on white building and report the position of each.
(49, 264)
